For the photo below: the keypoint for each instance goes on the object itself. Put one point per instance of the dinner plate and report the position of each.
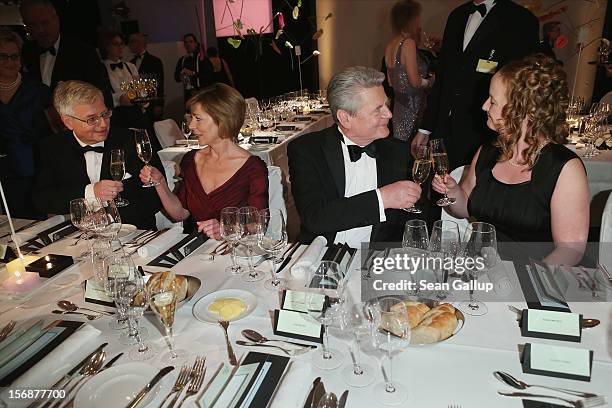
(126, 229)
(117, 386)
(200, 309)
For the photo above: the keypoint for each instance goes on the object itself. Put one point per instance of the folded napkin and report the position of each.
(162, 242)
(32, 232)
(310, 255)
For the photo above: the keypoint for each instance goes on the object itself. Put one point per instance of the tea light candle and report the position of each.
(19, 280)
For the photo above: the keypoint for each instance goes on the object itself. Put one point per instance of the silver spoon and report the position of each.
(71, 307)
(91, 367)
(63, 312)
(259, 338)
(520, 385)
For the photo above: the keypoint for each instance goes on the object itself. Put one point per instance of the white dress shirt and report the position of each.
(93, 161)
(360, 176)
(474, 21)
(139, 60)
(47, 62)
(119, 75)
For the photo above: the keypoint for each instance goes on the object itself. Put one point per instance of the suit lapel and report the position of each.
(332, 151)
(78, 158)
(486, 28)
(463, 20)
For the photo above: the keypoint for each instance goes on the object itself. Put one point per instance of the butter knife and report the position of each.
(343, 398)
(309, 398)
(149, 386)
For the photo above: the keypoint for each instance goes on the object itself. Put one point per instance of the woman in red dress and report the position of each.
(220, 175)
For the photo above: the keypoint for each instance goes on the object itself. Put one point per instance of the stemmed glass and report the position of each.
(107, 220)
(445, 243)
(440, 165)
(185, 129)
(416, 235)
(133, 291)
(117, 266)
(323, 301)
(420, 171)
(480, 244)
(358, 320)
(250, 226)
(163, 299)
(80, 216)
(117, 171)
(231, 231)
(272, 239)
(144, 150)
(391, 335)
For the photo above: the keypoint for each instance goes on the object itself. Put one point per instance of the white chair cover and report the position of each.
(605, 236)
(167, 132)
(461, 222)
(276, 199)
(161, 221)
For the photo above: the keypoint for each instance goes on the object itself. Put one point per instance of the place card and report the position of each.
(95, 293)
(296, 301)
(557, 361)
(297, 325)
(553, 325)
(180, 250)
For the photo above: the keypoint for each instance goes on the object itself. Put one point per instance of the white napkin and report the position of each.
(310, 255)
(58, 362)
(31, 232)
(159, 243)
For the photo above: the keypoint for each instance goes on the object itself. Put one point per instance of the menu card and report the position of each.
(180, 250)
(554, 325)
(557, 361)
(293, 321)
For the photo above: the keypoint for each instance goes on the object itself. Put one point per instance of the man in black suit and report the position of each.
(76, 163)
(350, 181)
(52, 57)
(148, 65)
(480, 37)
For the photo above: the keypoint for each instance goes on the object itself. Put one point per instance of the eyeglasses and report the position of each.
(5, 57)
(95, 119)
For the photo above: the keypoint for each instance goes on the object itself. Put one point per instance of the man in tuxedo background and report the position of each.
(148, 65)
(76, 162)
(52, 57)
(350, 181)
(480, 37)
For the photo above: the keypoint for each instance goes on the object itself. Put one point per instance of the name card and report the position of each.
(557, 361)
(95, 293)
(296, 301)
(297, 325)
(547, 324)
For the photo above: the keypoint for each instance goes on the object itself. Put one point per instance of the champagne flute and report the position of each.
(137, 298)
(272, 239)
(163, 299)
(420, 172)
(231, 231)
(440, 165)
(249, 221)
(117, 171)
(144, 151)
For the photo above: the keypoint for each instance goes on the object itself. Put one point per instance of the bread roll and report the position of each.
(166, 279)
(437, 324)
(415, 311)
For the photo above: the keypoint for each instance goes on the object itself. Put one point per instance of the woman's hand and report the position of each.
(211, 228)
(443, 185)
(150, 173)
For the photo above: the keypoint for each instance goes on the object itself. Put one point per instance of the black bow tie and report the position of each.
(481, 8)
(355, 151)
(50, 50)
(136, 58)
(117, 65)
(88, 148)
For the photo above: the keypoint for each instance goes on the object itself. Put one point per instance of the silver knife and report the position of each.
(343, 398)
(149, 386)
(318, 394)
(309, 398)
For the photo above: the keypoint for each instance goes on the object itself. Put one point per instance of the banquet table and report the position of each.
(599, 171)
(457, 371)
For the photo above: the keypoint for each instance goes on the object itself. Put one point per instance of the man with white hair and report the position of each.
(350, 181)
(76, 162)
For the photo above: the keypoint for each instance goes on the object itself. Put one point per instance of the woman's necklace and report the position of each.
(514, 163)
(12, 85)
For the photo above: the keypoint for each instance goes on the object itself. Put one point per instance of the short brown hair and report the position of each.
(225, 105)
(9, 36)
(536, 90)
(403, 13)
(67, 94)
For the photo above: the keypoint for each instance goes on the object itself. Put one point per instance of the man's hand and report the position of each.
(418, 139)
(107, 189)
(401, 194)
(187, 72)
(211, 228)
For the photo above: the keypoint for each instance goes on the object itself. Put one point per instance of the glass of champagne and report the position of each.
(117, 171)
(440, 165)
(185, 129)
(144, 151)
(420, 171)
(272, 239)
(249, 221)
(231, 231)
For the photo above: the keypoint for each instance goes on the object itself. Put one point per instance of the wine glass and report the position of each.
(117, 171)
(391, 335)
(323, 303)
(135, 294)
(445, 243)
(481, 246)
(420, 171)
(117, 266)
(185, 129)
(163, 299)
(250, 226)
(416, 235)
(80, 216)
(231, 231)
(144, 151)
(107, 220)
(358, 320)
(272, 239)
(440, 165)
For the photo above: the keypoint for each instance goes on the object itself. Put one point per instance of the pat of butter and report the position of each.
(227, 308)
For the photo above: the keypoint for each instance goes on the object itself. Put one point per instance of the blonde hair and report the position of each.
(225, 105)
(67, 94)
(536, 91)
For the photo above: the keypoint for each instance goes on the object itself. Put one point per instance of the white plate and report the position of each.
(117, 386)
(126, 229)
(200, 309)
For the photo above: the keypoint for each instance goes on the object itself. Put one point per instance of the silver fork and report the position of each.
(581, 403)
(6, 330)
(217, 251)
(197, 378)
(289, 352)
(454, 406)
(140, 238)
(593, 285)
(179, 384)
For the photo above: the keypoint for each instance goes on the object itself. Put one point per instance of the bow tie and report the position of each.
(50, 50)
(481, 8)
(355, 151)
(136, 58)
(88, 148)
(117, 65)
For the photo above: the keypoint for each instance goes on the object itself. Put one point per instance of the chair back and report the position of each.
(461, 222)
(161, 220)
(167, 132)
(605, 236)
(276, 199)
